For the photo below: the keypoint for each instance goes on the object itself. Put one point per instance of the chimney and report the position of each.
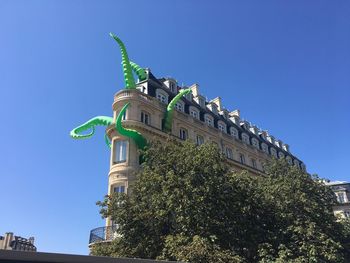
(7, 240)
(195, 90)
(263, 134)
(218, 103)
(271, 139)
(213, 107)
(254, 130)
(286, 147)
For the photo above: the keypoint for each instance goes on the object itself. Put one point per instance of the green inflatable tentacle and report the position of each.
(133, 134)
(140, 72)
(128, 77)
(170, 109)
(76, 133)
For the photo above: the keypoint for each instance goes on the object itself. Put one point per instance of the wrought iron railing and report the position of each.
(106, 233)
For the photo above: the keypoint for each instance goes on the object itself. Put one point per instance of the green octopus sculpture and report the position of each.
(171, 107)
(77, 133)
(128, 69)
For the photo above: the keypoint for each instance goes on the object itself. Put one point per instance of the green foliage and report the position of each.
(187, 205)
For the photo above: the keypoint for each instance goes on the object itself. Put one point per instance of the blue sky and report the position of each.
(284, 64)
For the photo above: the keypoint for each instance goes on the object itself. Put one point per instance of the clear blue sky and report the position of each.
(284, 64)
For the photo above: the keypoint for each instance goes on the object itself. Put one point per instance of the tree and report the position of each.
(187, 205)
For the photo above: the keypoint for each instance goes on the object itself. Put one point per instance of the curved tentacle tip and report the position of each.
(112, 35)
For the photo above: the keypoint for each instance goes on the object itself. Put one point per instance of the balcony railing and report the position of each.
(100, 234)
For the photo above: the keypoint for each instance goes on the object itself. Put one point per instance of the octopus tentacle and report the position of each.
(128, 77)
(140, 72)
(170, 109)
(76, 133)
(133, 134)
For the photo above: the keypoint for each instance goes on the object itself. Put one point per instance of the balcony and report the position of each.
(103, 234)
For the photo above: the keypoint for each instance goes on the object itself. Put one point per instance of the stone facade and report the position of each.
(245, 145)
(342, 192)
(11, 242)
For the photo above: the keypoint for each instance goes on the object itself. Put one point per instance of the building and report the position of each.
(158, 108)
(342, 192)
(11, 242)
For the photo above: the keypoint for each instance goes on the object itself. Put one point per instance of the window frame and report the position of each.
(143, 118)
(183, 134)
(123, 154)
(160, 95)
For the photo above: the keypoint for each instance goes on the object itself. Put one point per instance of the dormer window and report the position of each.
(222, 126)
(289, 160)
(255, 143)
(194, 112)
(209, 120)
(245, 138)
(162, 96)
(234, 132)
(180, 106)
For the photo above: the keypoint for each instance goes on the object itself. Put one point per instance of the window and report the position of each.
(280, 155)
(347, 214)
(162, 96)
(254, 163)
(119, 189)
(289, 160)
(200, 140)
(145, 118)
(242, 158)
(124, 116)
(120, 148)
(209, 120)
(234, 132)
(296, 163)
(255, 143)
(245, 138)
(265, 148)
(273, 152)
(194, 112)
(179, 106)
(341, 197)
(229, 153)
(222, 126)
(183, 134)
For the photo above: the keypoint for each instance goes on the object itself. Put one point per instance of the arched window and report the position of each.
(222, 126)
(162, 96)
(234, 132)
(194, 112)
(245, 138)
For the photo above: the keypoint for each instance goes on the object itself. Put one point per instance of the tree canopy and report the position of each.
(187, 204)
